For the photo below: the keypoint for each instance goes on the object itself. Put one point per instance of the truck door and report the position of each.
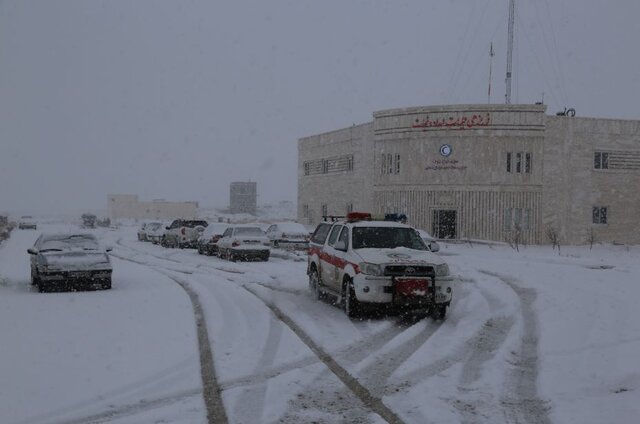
(328, 258)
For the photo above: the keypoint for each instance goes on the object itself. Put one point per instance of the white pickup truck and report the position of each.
(377, 264)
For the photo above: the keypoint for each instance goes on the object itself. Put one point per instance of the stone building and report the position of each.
(128, 206)
(491, 172)
(243, 197)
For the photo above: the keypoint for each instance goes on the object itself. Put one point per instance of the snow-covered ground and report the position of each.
(532, 336)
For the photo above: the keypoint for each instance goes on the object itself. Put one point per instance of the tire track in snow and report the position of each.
(250, 406)
(367, 398)
(133, 409)
(211, 390)
(520, 398)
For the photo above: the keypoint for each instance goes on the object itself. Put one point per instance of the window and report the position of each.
(325, 166)
(324, 210)
(507, 219)
(306, 168)
(321, 233)
(305, 211)
(344, 237)
(390, 163)
(349, 207)
(599, 214)
(350, 163)
(601, 160)
(522, 163)
(334, 234)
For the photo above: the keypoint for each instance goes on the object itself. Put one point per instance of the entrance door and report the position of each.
(444, 223)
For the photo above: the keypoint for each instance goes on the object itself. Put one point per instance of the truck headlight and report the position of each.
(442, 270)
(370, 269)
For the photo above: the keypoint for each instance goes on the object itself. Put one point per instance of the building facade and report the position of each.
(243, 197)
(491, 172)
(128, 206)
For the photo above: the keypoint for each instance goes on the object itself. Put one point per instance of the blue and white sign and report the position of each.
(446, 150)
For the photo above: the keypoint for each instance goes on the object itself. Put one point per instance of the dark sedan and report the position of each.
(69, 262)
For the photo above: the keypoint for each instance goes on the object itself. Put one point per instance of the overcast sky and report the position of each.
(176, 99)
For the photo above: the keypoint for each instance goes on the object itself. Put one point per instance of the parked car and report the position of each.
(146, 229)
(89, 220)
(288, 235)
(27, 223)
(69, 262)
(153, 232)
(183, 233)
(368, 264)
(244, 242)
(142, 232)
(429, 240)
(208, 241)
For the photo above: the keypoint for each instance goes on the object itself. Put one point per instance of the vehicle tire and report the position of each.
(439, 312)
(314, 285)
(42, 288)
(232, 257)
(349, 302)
(163, 241)
(106, 285)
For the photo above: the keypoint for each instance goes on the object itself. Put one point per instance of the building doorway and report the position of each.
(444, 223)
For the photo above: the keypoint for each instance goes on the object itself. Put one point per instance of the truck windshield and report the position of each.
(386, 238)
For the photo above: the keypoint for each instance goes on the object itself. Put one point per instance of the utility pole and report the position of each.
(512, 6)
(491, 54)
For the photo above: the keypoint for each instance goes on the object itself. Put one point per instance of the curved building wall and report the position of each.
(479, 167)
(492, 172)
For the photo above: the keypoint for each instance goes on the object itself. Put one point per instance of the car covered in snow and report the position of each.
(245, 241)
(183, 233)
(148, 228)
(371, 264)
(27, 223)
(429, 240)
(154, 232)
(69, 261)
(288, 235)
(207, 243)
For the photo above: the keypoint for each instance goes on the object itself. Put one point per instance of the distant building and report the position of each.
(243, 197)
(128, 206)
(493, 172)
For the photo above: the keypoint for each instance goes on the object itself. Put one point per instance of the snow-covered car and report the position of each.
(69, 261)
(154, 231)
(27, 223)
(208, 241)
(146, 228)
(288, 235)
(372, 264)
(183, 233)
(245, 241)
(430, 241)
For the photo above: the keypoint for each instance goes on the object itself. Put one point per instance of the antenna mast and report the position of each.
(491, 54)
(512, 5)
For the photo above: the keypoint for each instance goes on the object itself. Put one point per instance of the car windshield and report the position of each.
(292, 228)
(249, 231)
(386, 238)
(215, 229)
(69, 242)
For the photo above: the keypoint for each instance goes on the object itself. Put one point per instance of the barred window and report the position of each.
(601, 160)
(599, 214)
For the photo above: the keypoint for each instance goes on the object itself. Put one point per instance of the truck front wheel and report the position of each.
(352, 307)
